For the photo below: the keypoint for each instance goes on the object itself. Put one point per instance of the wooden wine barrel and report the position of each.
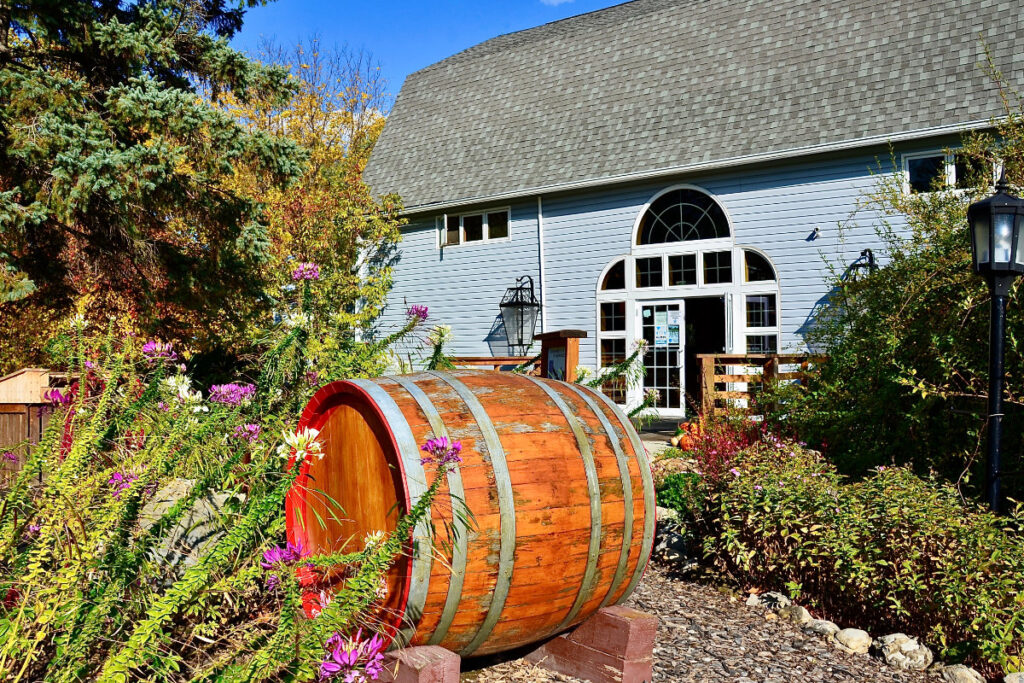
(555, 476)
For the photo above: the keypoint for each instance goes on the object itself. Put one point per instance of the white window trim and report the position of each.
(949, 156)
(441, 225)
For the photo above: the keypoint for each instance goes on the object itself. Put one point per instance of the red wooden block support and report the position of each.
(423, 664)
(616, 645)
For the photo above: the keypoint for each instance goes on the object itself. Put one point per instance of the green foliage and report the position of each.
(905, 380)
(893, 551)
(87, 590)
(116, 173)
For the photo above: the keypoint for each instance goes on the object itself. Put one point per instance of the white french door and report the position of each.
(661, 323)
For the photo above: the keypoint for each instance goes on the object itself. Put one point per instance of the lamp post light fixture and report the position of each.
(519, 309)
(997, 243)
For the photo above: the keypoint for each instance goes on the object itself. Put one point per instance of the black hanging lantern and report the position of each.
(997, 243)
(519, 310)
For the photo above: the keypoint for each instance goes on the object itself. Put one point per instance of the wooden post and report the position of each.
(707, 384)
(560, 353)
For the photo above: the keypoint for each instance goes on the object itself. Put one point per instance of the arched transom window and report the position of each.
(682, 215)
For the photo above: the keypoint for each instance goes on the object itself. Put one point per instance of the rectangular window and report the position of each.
(452, 231)
(613, 316)
(497, 225)
(613, 351)
(682, 270)
(648, 272)
(717, 267)
(475, 227)
(762, 343)
(926, 173)
(761, 310)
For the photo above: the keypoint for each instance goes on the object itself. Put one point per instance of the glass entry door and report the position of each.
(661, 325)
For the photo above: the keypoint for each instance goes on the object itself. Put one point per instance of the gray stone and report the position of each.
(665, 514)
(852, 640)
(795, 613)
(774, 601)
(1014, 678)
(754, 600)
(958, 673)
(203, 524)
(903, 652)
(821, 627)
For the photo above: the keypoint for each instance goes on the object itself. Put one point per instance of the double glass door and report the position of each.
(661, 324)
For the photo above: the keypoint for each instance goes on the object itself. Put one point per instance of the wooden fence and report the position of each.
(721, 373)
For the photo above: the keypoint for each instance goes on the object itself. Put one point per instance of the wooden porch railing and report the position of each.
(494, 362)
(719, 370)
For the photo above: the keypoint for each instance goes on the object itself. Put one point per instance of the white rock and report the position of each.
(1014, 678)
(852, 640)
(821, 627)
(795, 613)
(754, 600)
(665, 514)
(958, 673)
(774, 601)
(903, 652)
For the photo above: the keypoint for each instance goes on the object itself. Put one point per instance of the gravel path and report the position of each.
(707, 636)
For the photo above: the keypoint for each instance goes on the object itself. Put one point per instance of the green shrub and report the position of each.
(892, 551)
(682, 492)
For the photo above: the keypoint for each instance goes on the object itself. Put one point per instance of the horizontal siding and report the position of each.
(772, 208)
(461, 285)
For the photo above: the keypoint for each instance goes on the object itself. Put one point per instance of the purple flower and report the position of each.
(120, 482)
(154, 350)
(287, 555)
(89, 365)
(273, 581)
(247, 432)
(306, 271)
(735, 472)
(56, 398)
(417, 312)
(345, 657)
(9, 456)
(312, 377)
(442, 451)
(232, 394)
(758, 487)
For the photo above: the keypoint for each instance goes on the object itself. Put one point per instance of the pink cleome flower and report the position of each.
(442, 451)
(417, 312)
(306, 271)
(232, 394)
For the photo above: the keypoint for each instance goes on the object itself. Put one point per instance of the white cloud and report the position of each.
(554, 3)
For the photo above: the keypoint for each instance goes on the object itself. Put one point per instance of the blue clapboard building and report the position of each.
(685, 171)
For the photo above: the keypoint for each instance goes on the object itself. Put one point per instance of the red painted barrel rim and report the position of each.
(314, 416)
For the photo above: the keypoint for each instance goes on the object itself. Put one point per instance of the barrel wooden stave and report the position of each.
(552, 542)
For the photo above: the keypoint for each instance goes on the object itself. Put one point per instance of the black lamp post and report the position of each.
(519, 309)
(997, 242)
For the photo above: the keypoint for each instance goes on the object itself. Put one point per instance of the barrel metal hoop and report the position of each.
(594, 491)
(457, 492)
(627, 491)
(415, 479)
(506, 509)
(648, 485)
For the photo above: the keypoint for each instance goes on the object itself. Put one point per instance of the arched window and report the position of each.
(615, 278)
(682, 215)
(758, 267)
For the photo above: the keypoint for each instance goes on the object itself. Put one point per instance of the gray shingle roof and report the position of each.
(658, 84)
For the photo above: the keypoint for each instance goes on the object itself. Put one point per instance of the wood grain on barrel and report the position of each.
(555, 478)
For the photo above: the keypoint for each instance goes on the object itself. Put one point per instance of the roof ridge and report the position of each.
(547, 26)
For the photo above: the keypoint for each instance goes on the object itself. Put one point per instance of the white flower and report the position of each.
(297, 320)
(584, 373)
(181, 387)
(78, 322)
(373, 539)
(442, 334)
(302, 443)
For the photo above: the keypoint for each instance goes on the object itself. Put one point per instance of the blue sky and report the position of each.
(404, 35)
